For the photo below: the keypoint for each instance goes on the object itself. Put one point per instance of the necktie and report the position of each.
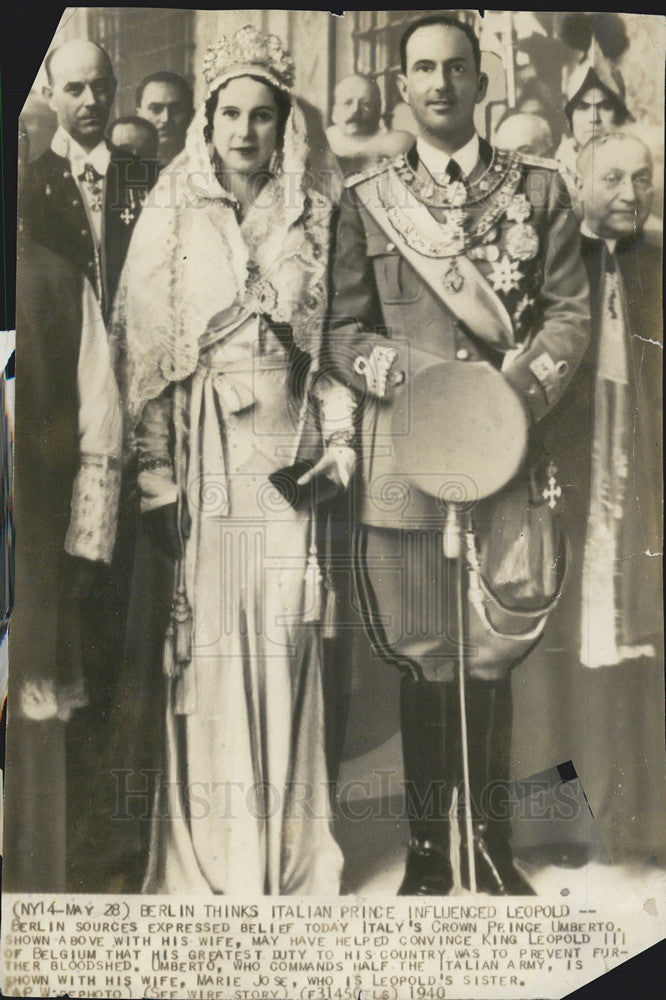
(93, 185)
(453, 171)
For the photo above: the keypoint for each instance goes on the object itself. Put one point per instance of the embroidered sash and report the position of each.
(438, 258)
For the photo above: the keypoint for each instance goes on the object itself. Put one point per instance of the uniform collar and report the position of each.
(64, 145)
(435, 161)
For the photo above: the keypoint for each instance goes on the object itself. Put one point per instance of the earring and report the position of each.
(275, 165)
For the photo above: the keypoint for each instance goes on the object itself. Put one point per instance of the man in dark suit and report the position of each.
(165, 100)
(81, 197)
(462, 253)
(80, 201)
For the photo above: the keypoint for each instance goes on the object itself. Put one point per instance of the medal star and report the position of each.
(505, 274)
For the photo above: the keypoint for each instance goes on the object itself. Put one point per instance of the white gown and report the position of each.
(244, 805)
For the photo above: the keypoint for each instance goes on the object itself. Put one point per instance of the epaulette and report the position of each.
(365, 175)
(539, 161)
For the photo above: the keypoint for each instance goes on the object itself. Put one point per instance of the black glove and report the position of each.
(162, 525)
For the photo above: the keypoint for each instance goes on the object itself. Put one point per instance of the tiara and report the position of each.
(252, 49)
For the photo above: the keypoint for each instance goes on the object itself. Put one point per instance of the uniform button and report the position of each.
(462, 354)
(390, 247)
(84, 232)
(66, 174)
(76, 202)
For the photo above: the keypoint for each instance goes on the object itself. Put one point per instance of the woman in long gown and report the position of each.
(219, 307)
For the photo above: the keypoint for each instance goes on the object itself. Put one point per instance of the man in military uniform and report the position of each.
(462, 253)
(82, 197)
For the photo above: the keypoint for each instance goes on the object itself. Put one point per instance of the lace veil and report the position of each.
(190, 259)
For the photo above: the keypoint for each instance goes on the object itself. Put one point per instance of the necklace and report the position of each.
(453, 239)
(457, 193)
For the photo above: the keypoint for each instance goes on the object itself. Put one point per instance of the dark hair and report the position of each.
(50, 56)
(282, 100)
(448, 22)
(592, 82)
(166, 76)
(135, 120)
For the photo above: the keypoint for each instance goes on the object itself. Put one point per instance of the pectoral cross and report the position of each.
(552, 492)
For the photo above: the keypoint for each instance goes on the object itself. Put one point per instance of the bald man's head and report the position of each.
(525, 133)
(81, 87)
(357, 105)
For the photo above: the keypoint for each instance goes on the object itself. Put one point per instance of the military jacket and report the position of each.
(512, 219)
(52, 213)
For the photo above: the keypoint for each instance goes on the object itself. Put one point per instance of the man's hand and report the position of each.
(162, 524)
(337, 463)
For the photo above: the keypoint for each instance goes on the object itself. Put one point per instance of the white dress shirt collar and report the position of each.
(64, 145)
(436, 161)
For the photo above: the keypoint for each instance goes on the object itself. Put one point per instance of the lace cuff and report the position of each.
(94, 520)
(337, 408)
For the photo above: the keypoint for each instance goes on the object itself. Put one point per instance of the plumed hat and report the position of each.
(602, 40)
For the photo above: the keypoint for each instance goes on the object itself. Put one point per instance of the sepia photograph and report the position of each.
(333, 506)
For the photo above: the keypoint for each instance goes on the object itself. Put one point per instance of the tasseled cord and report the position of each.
(330, 628)
(313, 577)
(178, 635)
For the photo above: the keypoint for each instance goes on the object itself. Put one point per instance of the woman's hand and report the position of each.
(162, 524)
(337, 463)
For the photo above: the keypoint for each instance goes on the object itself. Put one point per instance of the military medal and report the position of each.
(128, 213)
(522, 242)
(505, 274)
(520, 209)
(452, 279)
(485, 252)
(93, 183)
